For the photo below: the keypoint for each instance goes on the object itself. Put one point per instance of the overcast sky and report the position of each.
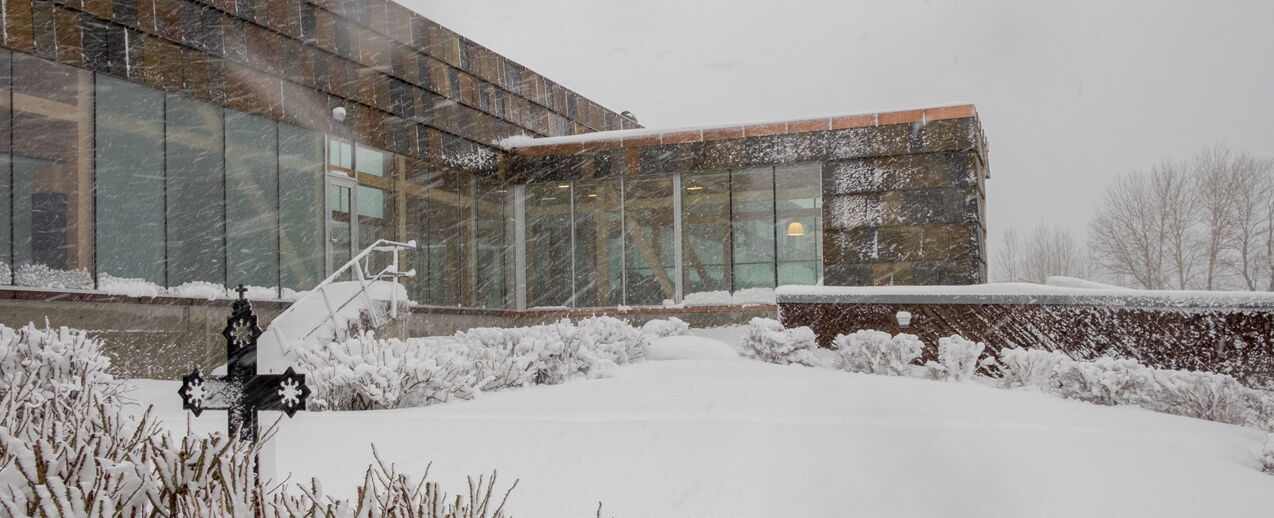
(1070, 93)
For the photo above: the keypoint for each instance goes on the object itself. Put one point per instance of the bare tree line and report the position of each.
(1204, 223)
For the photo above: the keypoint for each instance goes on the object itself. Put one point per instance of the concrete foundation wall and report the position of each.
(167, 337)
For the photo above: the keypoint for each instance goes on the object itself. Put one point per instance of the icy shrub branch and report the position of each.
(67, 450)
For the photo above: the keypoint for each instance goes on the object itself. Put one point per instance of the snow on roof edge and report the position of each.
(1022, 293)
(525, 141)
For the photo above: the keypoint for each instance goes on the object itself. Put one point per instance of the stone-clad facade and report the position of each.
(409, 85)
(903, 193)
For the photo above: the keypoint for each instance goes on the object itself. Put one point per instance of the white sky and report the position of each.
(1070, 93)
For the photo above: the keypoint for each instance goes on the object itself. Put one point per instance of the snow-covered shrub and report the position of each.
(1107, 381)
(6, 275)
(67, 449)
(661, 328)
(51, 376)
(1204, 395)
(767, 341)
(608, 342)
(875, 352)
(1267, 454)
(1032, 367)
(370, 373)
(957, 358)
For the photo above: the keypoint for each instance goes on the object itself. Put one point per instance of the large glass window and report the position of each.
(548, 245)
(300, 207)
(599, 243)
(436, 204)
(130, 180)
(494, 229)
(798, 201)
(252, 212)
(6, 208)
(752, 193)
(650, 240)
(705, 224)
(196, 192)
(52, 175)
(376, 200)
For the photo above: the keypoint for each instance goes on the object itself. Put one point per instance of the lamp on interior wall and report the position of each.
(795, 228)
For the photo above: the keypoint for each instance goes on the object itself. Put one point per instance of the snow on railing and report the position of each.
(283, 330)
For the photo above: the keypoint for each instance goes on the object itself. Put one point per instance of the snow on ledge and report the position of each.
(1058, 291)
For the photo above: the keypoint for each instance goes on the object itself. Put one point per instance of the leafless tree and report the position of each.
(1207, 224)
(1127, 232)
(1047, 252)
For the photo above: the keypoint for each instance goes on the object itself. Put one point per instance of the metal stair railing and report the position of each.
(359, 267)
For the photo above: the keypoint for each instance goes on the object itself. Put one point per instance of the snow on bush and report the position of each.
(957, 358)
(370, 373)
(67, 450)
(876, 352)
(767, 341)
(1109, 381)
(1267, 454)
(6, 275)
(660, 328)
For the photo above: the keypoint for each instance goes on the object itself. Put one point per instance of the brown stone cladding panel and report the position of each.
(1235, 342)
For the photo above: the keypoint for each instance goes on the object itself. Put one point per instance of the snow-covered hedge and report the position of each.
(673, 326)
(876, 352)
(957, 358)
(66, 449)
(767, 341)
(1267, 454)
(371, 373)
(1109, 381)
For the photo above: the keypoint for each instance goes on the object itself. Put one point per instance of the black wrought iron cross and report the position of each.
(242, 391)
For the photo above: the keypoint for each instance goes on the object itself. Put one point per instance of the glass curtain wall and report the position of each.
(799, 214)
(301, 211)
(52, 174)
(195, 205)
(706, 237)
(494, 229)
(6, 206)
(549, 273)
(599, 247)
(752, 237)
(129, 181)
(650, 245)
(252, 194)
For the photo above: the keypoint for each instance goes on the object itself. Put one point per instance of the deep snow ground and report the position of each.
(739, 438)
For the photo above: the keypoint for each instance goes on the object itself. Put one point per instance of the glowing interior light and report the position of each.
(796, 229)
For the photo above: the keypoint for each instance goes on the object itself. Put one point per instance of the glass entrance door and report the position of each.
(342, 227)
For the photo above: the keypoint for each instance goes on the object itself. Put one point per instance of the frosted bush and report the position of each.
(1267, 454)
(957, 358)
(767, 341)
(371, 373)
(661, 328)
(607, 342)
(876, 352)
(6, 274)
(67, 450)
(1032, 367)
(1108, 381)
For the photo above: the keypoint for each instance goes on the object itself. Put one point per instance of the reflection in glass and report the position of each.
(752, 191)
(340, 198)
(252, 212)
(375, 201)
(649, 244)
(52, 175)
(130, 180)
(6, 210)
(548, 245)
(492, 244)
(196, 191)
(798, 205)
(599, 252)
(438, 203)
(705, 223)
(300, 207)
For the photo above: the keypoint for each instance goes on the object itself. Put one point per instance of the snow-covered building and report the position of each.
(169, 147)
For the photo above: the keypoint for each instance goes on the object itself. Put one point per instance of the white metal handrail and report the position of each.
(361, 274)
